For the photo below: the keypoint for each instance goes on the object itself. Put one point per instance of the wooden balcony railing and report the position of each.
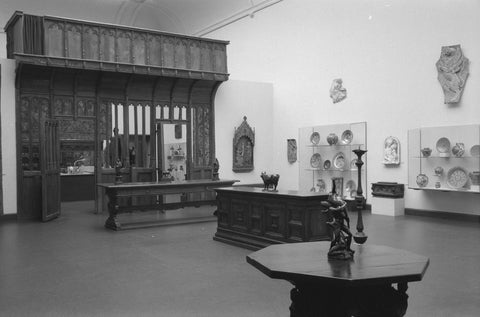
(62, 42)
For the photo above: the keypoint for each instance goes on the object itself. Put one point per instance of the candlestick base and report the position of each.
(360, 237)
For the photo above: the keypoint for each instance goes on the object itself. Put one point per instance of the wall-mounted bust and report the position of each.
(337, 92)
(452, 70)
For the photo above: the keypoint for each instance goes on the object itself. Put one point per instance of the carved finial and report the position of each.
(244, 118)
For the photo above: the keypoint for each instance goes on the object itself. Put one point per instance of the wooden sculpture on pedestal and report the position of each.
(340, 225)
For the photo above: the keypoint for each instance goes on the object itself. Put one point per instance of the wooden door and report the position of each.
(50, 169)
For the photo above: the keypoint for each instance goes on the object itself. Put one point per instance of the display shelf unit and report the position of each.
(320, 162)
(444, 158)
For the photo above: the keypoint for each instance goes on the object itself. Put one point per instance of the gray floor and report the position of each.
(72, 266)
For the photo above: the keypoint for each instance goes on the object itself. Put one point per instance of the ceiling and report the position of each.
(191, 17)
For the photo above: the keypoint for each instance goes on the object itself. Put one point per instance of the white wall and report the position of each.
(9, 167)
(385, 51)
(234, 100)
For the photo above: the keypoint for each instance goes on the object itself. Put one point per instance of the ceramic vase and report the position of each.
(332, 139)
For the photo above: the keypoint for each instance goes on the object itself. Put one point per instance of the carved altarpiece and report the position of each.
(111, 88)
(243, 143)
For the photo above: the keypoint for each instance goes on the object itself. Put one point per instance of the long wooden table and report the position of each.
(115, 193)
(338, 288)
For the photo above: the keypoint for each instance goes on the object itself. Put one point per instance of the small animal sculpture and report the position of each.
(270, 181)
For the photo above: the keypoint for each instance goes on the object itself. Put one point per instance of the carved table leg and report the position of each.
(113, 207)
(371, 301)
(316, 302)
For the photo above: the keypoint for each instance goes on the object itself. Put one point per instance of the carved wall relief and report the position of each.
(292, 150)
(452, 70)
(391, 151)
(243, 142)
(337, 92)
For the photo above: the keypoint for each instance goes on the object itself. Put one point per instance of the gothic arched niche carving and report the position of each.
(243, 142)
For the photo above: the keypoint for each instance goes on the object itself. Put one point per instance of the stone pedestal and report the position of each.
(388, 206)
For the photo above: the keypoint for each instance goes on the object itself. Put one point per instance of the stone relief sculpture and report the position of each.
(452, 70)
(337, 92)
(391, 151)
(292, 150)
(243, 142)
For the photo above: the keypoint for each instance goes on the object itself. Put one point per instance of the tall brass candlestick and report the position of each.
(360, 237)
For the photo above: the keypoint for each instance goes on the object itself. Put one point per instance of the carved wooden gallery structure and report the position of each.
(113, 92)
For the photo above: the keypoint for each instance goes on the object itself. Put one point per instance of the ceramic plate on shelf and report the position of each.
(327, 164)
(422, 180)
(352, 164)
(315, 160)
(350, 187)
(475, 150)
(321, 185)
(457, 177)
(443, 146)
(339, 160)
(347, 137)
(315, 138)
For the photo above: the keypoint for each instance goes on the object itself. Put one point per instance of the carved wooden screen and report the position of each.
(201, 128)
(32, 109)
(50, 168)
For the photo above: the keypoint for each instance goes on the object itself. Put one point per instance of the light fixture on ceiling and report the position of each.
(252, 13)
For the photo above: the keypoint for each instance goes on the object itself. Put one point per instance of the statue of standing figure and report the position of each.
(340, 225)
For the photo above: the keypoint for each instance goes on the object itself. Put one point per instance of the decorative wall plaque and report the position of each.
(292, 150)
(452, 70)
(337, 92)
(243, 142)
(391, 151)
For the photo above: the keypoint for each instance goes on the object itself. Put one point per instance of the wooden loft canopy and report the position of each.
(68, 43)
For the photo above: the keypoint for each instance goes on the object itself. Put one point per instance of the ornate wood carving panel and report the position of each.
(55, 38)
(91, 43)
(256, 220)
(201, 136)
(139, 48)
(88, 45)
(63, 106)
(155, 52)
(195, 54)
(168, 52)
(80, 129)
(275, 220)
(205, 56)
(85, 108)
(243, 143)
(296, 223)
(240, 214)
(107, 45)
(181, 55)
(32, 109)
(74, 40)
(124, 39)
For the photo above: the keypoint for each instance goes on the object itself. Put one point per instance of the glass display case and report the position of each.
(325, 155)
(444, 158)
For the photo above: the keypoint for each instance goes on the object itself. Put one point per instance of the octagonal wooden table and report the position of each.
(358, 287)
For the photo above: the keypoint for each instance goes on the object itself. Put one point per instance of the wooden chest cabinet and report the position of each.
(252, 218)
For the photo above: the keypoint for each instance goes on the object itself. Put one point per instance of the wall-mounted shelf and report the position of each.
(445, 159)
(320, 161)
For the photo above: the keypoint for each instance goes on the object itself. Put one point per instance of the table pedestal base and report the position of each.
(373, 301)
